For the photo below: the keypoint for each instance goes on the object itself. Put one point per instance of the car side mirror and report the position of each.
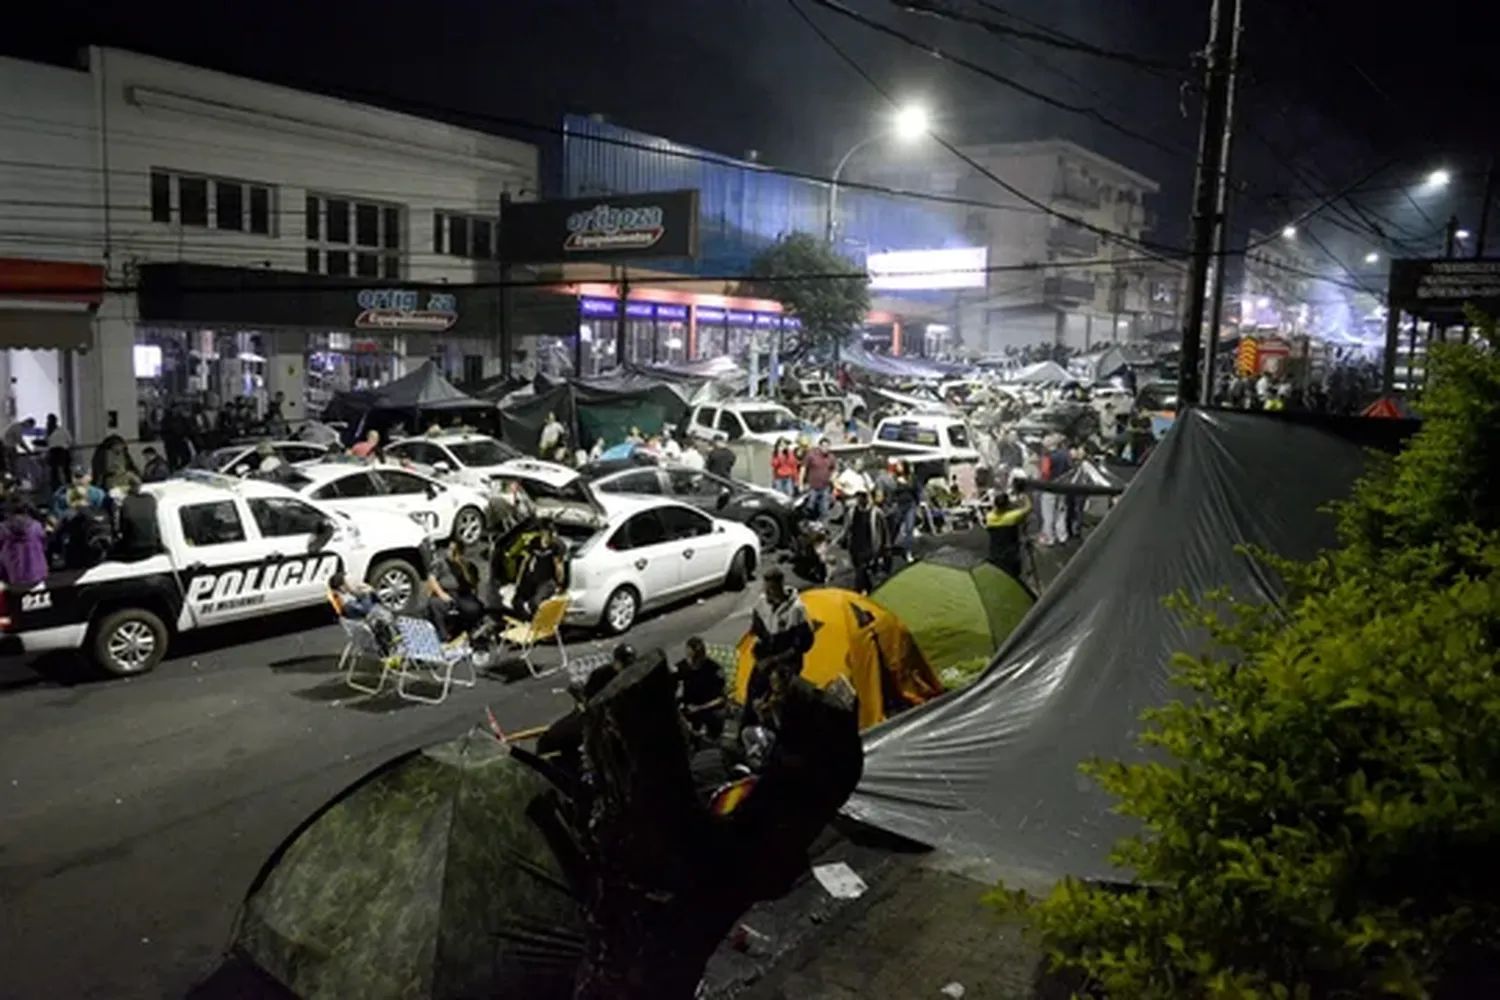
(442, 467)
(322, 536)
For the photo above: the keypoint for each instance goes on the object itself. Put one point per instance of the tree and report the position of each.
(1325, 822)
(825, 291)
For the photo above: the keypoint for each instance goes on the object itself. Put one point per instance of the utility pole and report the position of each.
(1491, 182)
(1221, 215)
(1450, 236)
(1224, 21)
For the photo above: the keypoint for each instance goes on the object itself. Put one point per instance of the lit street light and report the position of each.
(1289, 233)
(1439, 179)
(1462, 234)
(1372, 257)
(909, 124)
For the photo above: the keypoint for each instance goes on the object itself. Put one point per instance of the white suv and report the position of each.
(459, 457)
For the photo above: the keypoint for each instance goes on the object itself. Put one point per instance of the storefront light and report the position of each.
(586, 333)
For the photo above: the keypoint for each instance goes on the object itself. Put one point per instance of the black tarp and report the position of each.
(423, 389)
(591, 409)
(991, 772)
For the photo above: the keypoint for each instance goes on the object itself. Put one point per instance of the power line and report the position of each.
(1046, 37)
(1093, 114)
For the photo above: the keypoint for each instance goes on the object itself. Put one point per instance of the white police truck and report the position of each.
(233, 550)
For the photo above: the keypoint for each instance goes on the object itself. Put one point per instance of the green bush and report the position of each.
(1322, 814)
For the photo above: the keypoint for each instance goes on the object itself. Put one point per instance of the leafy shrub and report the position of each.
(1324, 820)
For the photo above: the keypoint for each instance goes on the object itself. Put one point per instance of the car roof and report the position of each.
(620, 506)
(198, 487)
(550, 473)
(454, 437)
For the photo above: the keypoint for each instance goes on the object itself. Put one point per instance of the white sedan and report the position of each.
(652, 552)
(456, 456)
(446, 510)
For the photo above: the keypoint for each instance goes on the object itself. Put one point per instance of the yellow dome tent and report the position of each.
(857, 639)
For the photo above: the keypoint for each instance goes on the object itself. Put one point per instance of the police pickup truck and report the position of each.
(234, 549)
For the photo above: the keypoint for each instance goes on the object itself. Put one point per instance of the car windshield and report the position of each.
(485, 451)
(769, 421)
(219, 458)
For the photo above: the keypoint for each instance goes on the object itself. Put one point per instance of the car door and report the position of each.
(419, 499)
(224, 565)
(353, 493)
(698, 544)
(698, 489)
(730, 425)
(638, 482)
(289, 527)
(654, 561)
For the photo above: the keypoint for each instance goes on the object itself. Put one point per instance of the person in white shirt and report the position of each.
(553, 433)
(692, 458)
(14, 441)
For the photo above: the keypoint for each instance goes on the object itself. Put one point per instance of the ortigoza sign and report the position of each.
(620, 227)
(404, 309)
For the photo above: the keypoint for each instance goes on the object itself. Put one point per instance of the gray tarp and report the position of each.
(991, 772)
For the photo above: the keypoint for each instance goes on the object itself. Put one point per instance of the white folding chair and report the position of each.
(362, 644)
(423, 649)
(545, 626)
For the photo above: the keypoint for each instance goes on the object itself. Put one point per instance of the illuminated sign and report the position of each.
(929, 270)
(405, 309)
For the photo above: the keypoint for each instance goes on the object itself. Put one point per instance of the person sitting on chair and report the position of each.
(700, 690)
(353, 599)
(453, 604)
(541, 575)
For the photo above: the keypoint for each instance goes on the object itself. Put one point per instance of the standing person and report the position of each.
(903, 505)
(784, 468)
(276, 425)
(23, 547)
(14, 441)
(818, 469)
(137, 535)
(720, 459)
(783, 635)
(867, 536)
(59, 453)
(554, 436)
(1055, 464)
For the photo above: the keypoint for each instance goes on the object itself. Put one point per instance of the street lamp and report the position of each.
(909, 124)
(1289, 233)
(1438, 179)
(1462, 234)
(1372, 257)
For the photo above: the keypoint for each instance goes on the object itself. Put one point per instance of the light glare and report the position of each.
(1289, 233)
(911, 122)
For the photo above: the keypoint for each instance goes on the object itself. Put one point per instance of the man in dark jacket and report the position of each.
(868, 539)
(136, 533)
(700, 690)
(720, 460)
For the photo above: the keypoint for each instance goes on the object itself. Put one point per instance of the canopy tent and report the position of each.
(1072, 680)
(1387, 408)
(864, 643)
(494, 389)
(1092, 474)
(423, 389)
(592, 410)
(957, 606)
(1042, 373)
(426, 878)
(885, 366)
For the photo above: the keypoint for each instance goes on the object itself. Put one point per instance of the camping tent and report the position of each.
(1387, 408)
(957, 606)
(1042, 373)
(423, 389)
(862, 642)
(991, 772)
(426, 878)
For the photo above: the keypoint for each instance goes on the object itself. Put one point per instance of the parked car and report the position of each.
(233, 550)
(745, 419)
(244, 458)
(444, 510)
(459, 457)
(766, 512)
(649, 552)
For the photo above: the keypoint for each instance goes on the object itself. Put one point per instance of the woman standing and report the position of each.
(785, 468)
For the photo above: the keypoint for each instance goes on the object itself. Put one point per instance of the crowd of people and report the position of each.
(81, 525)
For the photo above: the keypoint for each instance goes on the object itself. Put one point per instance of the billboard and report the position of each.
(1438, 290)
(611, 228)
(929, 270)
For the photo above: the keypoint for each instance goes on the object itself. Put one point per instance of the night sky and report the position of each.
(1333, 88)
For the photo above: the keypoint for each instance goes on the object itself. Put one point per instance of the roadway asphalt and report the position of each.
(134, 814)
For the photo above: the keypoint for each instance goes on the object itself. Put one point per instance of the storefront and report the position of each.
(46, 315)
(215, 333)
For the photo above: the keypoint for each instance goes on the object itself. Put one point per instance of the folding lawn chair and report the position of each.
(362, 644)
(545, 626)
(422, 649)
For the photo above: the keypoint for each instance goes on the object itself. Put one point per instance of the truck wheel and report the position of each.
(128, 642)
(396, 584)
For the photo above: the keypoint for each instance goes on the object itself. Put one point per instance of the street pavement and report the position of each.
(134, 814)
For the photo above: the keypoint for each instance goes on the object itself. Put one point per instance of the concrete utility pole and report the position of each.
(1491, 182)
(1221, 220)
(1224, 23)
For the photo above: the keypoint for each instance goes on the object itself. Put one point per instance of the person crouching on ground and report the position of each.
(1004, 524)
(700, 691)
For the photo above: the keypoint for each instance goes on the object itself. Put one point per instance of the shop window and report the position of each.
(192, 201)
(161, 196)
(229, 206)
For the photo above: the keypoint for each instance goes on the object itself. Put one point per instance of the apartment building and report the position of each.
(246, 239)
(1276, 290)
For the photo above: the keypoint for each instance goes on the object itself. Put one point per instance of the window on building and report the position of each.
(468, 236)
(229, 206)
(351, 237)
(260, 210)
(161, 196)
(192, 201)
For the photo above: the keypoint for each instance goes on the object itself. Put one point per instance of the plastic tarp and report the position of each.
(1042, 373)
(895, 367)
(591, 409)
(991, 772)
(423, 389)
(425, 879)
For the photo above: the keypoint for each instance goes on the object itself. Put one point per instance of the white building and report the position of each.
(255, 239)
(1086, 290)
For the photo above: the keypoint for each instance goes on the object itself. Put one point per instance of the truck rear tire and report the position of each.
(128, 642)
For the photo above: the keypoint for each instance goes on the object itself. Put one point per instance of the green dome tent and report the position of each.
(425, 879)
(957, 606)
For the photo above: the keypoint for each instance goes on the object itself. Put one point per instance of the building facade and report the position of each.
(1051, 282)
(252, 239)
(1276, 294)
